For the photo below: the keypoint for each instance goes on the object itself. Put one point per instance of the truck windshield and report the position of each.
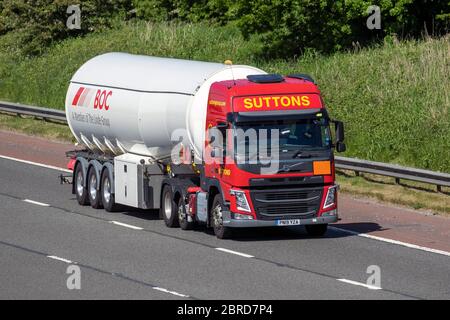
(293, 136)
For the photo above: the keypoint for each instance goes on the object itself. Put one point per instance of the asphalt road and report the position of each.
(145, 260)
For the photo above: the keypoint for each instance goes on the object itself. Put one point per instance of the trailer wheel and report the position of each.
(107, 196)
(169, 208)
(93, 188)
(183, 217)
(80, 190)
(217, 208)
(316, 230)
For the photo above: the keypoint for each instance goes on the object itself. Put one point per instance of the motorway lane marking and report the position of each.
(36, 202)
(60, 259)
(235, 252)
(171, 292)
(356, 283)
(126, 225)
(97, 270)
(35, 164)
(400, 243)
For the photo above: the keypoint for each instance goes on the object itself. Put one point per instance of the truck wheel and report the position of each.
(217, 208)
(92, 187)
(169, 209)
(80, 190)
(107, 196)
(316, 230)
(183, 217)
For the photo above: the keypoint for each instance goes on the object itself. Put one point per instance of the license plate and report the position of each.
(291, 222)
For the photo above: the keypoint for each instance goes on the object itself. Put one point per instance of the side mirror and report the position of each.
(340, 146)
(339, 127)
(340, 136)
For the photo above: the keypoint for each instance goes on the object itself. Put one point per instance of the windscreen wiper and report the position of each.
(302, 155)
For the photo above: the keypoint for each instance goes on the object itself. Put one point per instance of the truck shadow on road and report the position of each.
(292, 233)
(141, 213)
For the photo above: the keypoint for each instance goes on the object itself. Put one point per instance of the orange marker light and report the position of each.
(321, 167)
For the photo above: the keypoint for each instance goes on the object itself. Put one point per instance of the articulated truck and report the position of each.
(222, 145)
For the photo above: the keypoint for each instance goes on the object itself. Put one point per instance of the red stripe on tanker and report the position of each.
(77, 96)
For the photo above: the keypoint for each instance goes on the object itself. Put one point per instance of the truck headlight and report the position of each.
(330, 200)
(241, 200)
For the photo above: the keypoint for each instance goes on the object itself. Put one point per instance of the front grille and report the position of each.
(294, 196)
(273, 204)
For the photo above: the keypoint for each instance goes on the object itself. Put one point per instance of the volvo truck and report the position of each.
(227, 146)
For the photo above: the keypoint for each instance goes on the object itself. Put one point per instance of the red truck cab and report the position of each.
(274, 165)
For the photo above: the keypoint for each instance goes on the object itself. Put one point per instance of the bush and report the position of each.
(292, 26)
(187, 10)
(39, 23)
(287, 27)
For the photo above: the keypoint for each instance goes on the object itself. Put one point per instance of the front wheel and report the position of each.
(183, 218)
(217, 209)
(316, 230)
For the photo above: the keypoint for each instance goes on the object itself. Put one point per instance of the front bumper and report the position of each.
(238, 223)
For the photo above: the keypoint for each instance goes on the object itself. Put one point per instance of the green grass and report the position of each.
(414, 195)
(394, 98)
(40, 128)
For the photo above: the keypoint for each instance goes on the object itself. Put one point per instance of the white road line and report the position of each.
(356, 283)
(36, 202)
(171, 292)
(35, 164)
(60, 259)
(126, 225)
(404, 244)
(235, 252)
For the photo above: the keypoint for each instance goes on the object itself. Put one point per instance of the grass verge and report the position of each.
(414, 195)
(28, 125)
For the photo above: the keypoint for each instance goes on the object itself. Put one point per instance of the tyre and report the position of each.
(107, 196)
(183, 217)
(169, 208)
(216, 217)
(93, 189)
(316, 230)
(80, 190)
